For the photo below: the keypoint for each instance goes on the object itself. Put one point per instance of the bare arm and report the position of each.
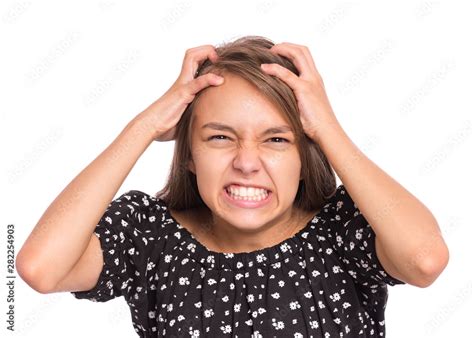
(66, 227)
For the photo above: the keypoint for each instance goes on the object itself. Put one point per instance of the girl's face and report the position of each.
(230, 145)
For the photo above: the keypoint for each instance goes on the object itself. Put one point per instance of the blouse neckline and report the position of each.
(193, 249)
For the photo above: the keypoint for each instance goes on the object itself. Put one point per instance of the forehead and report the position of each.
(236, 102)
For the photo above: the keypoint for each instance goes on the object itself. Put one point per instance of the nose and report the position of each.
(247, 160)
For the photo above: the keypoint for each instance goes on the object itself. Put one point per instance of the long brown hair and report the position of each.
(243, 57)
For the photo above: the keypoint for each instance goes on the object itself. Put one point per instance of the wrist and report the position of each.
(325, 129)
(144, 126)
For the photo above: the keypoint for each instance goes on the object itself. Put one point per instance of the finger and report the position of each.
(281, 72)
(296, 54)
(194, 57)
(204, 81)
(309, 57)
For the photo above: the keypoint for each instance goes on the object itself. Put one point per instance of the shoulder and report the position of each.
(341, 205)
(137, 199)
(135, 209)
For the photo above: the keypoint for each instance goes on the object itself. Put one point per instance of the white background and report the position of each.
(399, 77)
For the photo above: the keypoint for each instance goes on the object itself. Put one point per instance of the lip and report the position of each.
(247, 204)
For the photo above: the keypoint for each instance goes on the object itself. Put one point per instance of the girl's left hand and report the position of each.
(315, 110)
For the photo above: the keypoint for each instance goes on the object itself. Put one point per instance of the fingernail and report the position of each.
(264, 65)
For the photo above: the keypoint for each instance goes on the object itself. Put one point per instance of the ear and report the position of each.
(191, 166)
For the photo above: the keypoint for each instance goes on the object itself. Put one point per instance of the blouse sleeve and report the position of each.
(124, 232)
(354, 240)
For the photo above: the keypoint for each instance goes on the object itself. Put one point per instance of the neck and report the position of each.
(223, 237)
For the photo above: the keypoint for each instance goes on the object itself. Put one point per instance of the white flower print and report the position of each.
(279, 325)
(284, 247)
(183, 281)
(261, 258)
(195, 334)
(294, 305)
(335, 297)
(191, 247)
(150, 266)
(226, 329)
(208, 313)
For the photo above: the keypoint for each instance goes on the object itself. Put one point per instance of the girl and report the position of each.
(250, 236)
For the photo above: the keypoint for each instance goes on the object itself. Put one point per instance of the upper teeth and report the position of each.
(247, 191)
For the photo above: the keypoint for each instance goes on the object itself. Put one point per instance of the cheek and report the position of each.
(288, 163)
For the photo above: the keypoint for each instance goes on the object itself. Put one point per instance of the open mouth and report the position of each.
(258, 195)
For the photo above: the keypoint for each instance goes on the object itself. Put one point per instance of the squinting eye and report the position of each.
(279, 138)
(215, 136)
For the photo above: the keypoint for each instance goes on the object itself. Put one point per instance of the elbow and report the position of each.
(433, 266)
(31, 275)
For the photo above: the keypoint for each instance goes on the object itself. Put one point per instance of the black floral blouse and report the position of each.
(325, 281)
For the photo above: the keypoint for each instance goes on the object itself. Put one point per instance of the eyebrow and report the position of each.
(224, 127)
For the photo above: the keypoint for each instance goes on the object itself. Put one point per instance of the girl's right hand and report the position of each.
(165, 113)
